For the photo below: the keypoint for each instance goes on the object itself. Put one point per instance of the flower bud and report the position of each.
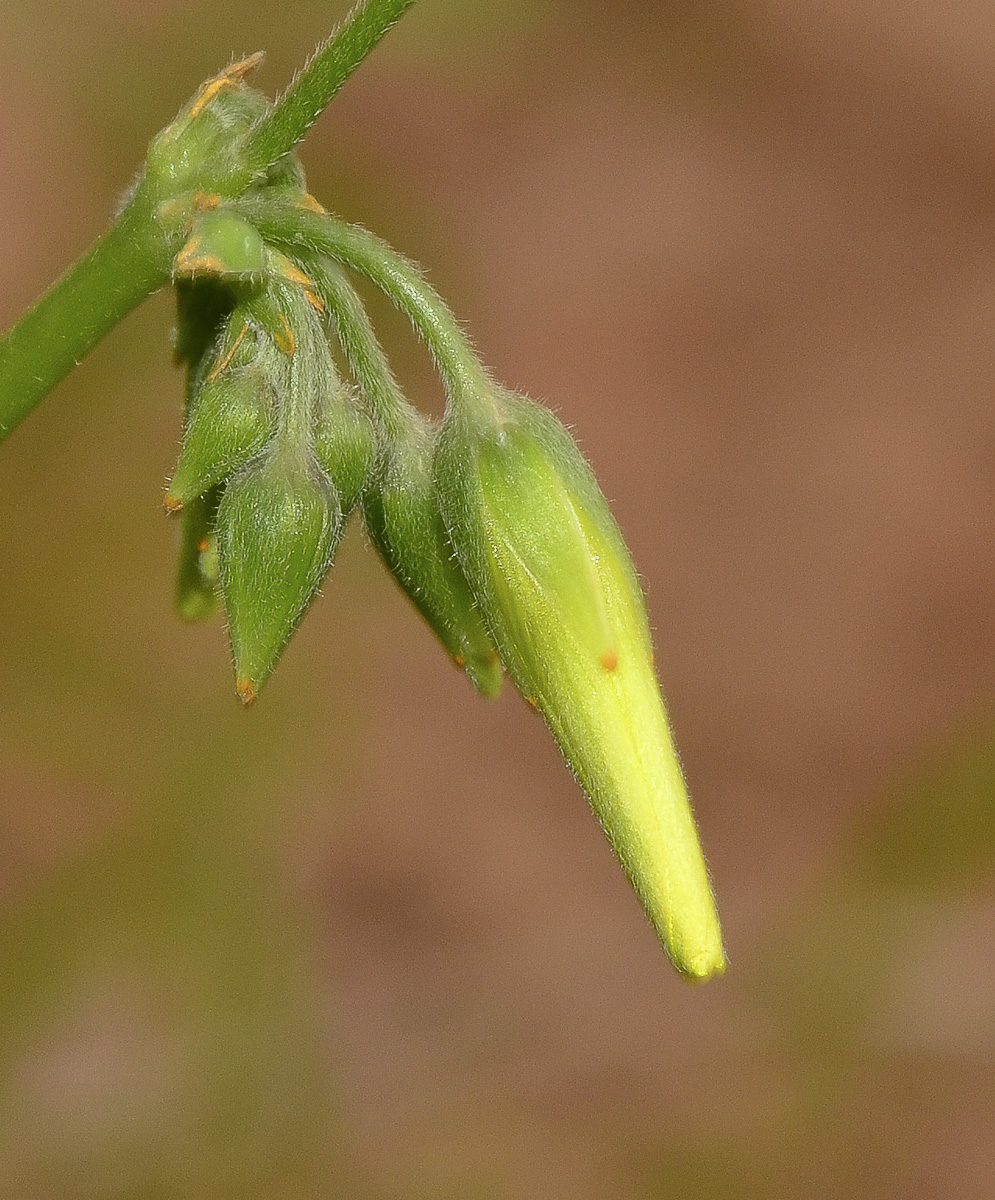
(343, 437)
(231, 417)
(345, 445)
(404, 523)
(549, 567)
(279, 522)
(224, 247)
(199, 148)
(197, 571)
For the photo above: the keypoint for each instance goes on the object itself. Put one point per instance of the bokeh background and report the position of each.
(365, 939)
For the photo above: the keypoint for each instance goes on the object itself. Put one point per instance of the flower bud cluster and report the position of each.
(276, 452)
(491, 521)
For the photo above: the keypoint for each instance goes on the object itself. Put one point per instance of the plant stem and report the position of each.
(464, 376)
(324, 74)
(363, 352)
(130, 262)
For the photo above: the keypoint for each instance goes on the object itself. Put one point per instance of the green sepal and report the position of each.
(278, 524)
(231, 420)
(405, 525)
(224, 247)
(197, 583)
(268, 311)
(233, 414)
(548, 565)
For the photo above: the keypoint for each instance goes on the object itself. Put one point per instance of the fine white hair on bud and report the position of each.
(279, 522)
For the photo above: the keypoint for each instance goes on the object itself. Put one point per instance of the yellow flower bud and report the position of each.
(553, 577)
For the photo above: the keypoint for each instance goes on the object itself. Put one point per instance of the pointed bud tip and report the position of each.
(484, 672)
(238, 70)
(554, 581)
(171, 504)
(309, 204)
(704, 968)
(245, 689)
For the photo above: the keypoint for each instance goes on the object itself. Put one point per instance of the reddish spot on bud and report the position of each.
(609, 660)
(295, 274)
(245, 690)
(172, 505)
(459, 660)
(203, 545)
(237, 71)
(189, 251)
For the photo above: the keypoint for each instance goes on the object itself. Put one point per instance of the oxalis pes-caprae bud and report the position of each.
(405, 524)
(551, 572)
(232, 414)
(492, 522)
(280, 518)
(225, 248)
(279, 522)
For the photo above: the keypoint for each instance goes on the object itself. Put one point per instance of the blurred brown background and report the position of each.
(365, 939)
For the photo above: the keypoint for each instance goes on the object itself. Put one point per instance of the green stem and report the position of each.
(467, 382)
(130, 262)
(323, 75)
(363, 352)
(310, 369)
